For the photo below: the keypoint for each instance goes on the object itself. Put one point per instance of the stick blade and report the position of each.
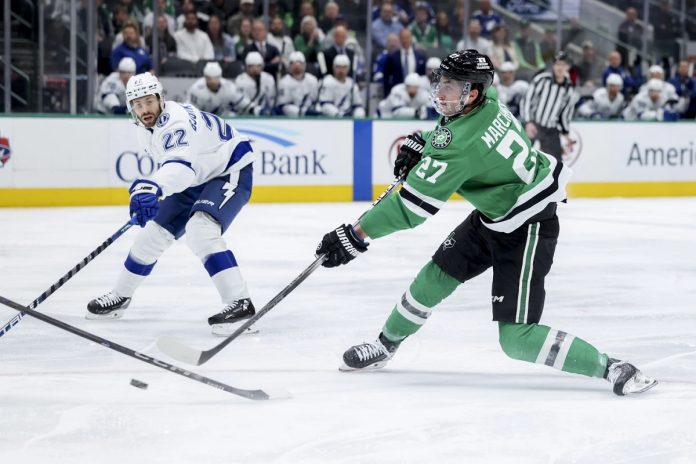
(177, 350)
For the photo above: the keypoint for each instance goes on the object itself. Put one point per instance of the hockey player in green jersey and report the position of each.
(479, 150)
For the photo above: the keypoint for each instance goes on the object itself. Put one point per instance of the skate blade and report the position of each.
(116, 314)
(372, 367)
(639, 387)
(225, 330)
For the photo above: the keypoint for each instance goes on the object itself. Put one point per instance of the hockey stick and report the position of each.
(184, 353)
(250, 394)
(69, 275)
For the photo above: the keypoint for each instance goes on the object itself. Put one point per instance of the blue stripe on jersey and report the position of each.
(219, 262)
(185, 163)
(239, 151)
(137, 268)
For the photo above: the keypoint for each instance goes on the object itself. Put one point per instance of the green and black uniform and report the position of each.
(486, 157)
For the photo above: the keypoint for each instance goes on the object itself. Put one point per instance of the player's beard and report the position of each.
(152, 118)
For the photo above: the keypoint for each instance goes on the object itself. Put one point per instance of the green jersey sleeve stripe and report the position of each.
(416, 205)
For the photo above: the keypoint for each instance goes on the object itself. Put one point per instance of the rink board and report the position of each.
(91, 161)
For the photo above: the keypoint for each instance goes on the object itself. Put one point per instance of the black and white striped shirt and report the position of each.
(549, 104)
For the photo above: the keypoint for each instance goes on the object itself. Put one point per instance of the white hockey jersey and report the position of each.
(643, 108)
(601, 107)
(668, 94)
(192, 147)
(227, 101)
(511, 95)
(340, 98)
(111, 97)
(297, 96)
(261, 93)
(399, 103)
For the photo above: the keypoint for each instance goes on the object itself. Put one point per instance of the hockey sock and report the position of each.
(541, 344)
(430, 287)
(222, 268)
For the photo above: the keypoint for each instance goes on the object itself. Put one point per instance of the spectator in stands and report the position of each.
(548, 46)
(214, 94)
(134, 9)
(351, 43)
(606, 102)
(306, 9)
(340, 38)
(192, 44)
(186, 7)
(148, 20)
(111, 98)
(629, 86)
(243, 37)
(165, 39)
(119, 18)
(588, 69)
(649, 106)
(667, 29)
(246, 11)
(279, 39)
(488, 18)
(407, 100)
(223, 9)
(339, 95)
(528, 53)
(133, 48)
(386, 24)
(328, 19)
(501, 50)
(474, 39)
(309, 40)
(378, 68)
(443, 34)
(403, 62)
(223, 45)
(685, 85)
(631, 33)
(298, 91)
(510, 90)
(270, 54)
(423, 31)
(257, 85)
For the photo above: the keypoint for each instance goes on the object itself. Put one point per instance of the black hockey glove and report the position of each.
(340, 246)
(410, 154)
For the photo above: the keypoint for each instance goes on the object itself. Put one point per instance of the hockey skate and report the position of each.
(109, 306)
(227, 321)
(626, 378)
(369, 356)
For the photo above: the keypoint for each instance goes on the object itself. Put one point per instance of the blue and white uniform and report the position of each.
(203, 181)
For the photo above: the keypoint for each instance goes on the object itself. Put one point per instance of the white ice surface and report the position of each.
(624, 279)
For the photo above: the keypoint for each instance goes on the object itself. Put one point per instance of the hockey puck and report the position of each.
(138, 384)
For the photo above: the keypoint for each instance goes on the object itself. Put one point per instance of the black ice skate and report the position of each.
(626, 378)
(109, 306)
(227, 321)
(369, 356)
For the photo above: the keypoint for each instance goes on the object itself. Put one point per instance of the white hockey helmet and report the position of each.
(433, 63)
(254, 58)
(212, 69)
(413, 79)
(507, 66)
(341, 60)
(656, 69)
(127, 64)
(615, 79)
(296, 57)
(655, 84)
(142, 85)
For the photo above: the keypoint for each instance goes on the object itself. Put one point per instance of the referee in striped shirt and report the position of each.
(548, 106)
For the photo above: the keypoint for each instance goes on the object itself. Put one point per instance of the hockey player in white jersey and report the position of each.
(339, 95)
(217, 95)
(432, 65)
(111, 97)
(651, 105)
(257, 85)
(607, 102)
(203, 181)
(510, 91)
(297, 91)
(407, 100)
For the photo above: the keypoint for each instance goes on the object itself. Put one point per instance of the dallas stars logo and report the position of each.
(441, 138)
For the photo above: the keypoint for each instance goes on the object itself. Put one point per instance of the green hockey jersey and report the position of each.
(486, 157)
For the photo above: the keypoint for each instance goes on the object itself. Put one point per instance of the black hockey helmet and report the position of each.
(473, 69)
